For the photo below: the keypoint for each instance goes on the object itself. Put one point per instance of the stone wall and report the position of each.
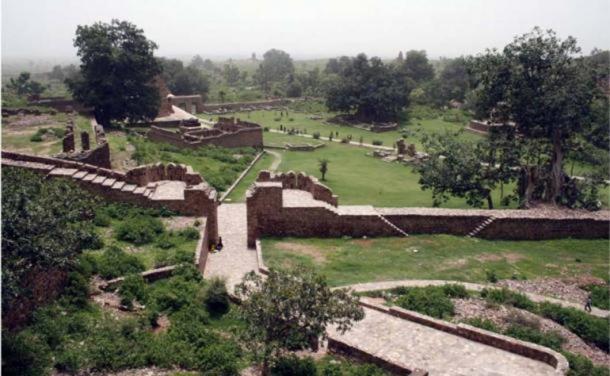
(199, 198)
(269, 216)
(228, 133)
(189, 103)
(303, 182)
(60, 104)
(216, 108)
(98, 156)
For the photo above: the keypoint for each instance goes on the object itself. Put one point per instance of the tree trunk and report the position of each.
(490, 204)
(556, 178)
(529, 181)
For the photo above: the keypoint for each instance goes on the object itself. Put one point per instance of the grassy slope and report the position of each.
(439, 257)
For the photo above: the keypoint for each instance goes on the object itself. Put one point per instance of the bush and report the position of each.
(114, 262)
(179, 256)
(101, 219)
(505, 296)
(491, 276)
(551, 339)
(423, 112)
(455, 116)
(316, 135)
(36, 137)
(483, 324)
(24, 354)
(455, 290)
(133, 288)
(189, 233)
(291, 365)
(377, 142)
(76, 291)
(589, 328)
(345, 140)
(139, 229)
(581, 366)
(216, 297)
(429, 301)
(166, 241)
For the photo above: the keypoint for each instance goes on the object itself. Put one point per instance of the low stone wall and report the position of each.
(269, 216)
(300, 181)
(98, 156)
(244, 106)
(61, 104)
(526, 349)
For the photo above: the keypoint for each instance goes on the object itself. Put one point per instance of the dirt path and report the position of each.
(277, 159)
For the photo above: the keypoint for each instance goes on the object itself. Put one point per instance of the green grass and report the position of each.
(348, 261)
(239, 193)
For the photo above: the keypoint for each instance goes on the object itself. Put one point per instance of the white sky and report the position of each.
(303, 28)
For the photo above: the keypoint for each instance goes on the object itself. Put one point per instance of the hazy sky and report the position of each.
(305, 29)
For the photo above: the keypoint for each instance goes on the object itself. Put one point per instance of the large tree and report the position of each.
(24, 85)
(276, 66)
(290, 311)
(370, 89)
(183, 81)
(417, 67)
(539, 83)
(116, 72)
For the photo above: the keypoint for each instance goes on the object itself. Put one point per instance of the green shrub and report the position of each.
(101, 219)
(345, 140)
(24, 354)
(36, 137)
(455, 116)
(429, 301)
(292, 365)
(166, 241)
(581, 366)
(589, 328)
(139, 229)
(600, 295)
(133, 288)
(551, 339)
(491, 276)
(316, 135)
(76, 291)
(483, 324)
(114, 262)
(189, 233)
(423, 112)
(505, 296)
(377, 142)
(179, 256)
(216, 297)
(455, 290)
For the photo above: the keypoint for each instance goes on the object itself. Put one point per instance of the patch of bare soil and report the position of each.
(149, 371)
(503, 316)
(314, 252)
(510, 257)
(455, 263)
(179, 223)
(163, 324)
(563, 288)
(22, 121)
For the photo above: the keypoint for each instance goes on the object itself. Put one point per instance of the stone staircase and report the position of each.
(396, 228)
(481, 227)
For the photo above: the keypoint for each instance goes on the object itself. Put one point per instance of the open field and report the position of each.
(348, 261)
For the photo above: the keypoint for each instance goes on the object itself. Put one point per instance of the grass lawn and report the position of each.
(239, 193)
(414, 128)
(359, 179)
(348, 261)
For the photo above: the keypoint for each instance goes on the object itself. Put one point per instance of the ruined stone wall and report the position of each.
(268, 216)
(98, 156)
(244, 106)
(248, 135)
(189, 103)
(300, 181)
(60, 104)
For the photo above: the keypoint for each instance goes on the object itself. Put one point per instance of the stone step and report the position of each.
(30, 165)
(387, 221)
(129, 188)
(118, 185)
(108, 182)
(480, 227)
(60, 171)
(139, 190)
(99, 179)
(80, 175)
(89, 177)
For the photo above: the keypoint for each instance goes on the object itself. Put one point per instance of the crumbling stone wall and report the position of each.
(300, 181)
(220, 108)
(268, 216)
(189, 103)
(98, 156)
(228, 132)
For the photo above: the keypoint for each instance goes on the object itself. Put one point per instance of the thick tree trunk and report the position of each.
(556, 178)
(528, 182)
(490, 204)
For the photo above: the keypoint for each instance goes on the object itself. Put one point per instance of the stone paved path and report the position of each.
(373, 286)
(235, 259)
(417, 346)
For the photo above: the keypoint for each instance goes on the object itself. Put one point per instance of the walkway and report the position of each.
(321, 138)
(417, 346)
(235, 259)
(374, 286)
(277, 159)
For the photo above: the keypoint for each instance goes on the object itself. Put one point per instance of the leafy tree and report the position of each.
(323, 166)
(452, 83)
(400, 59)
(45, 225)
(57, 73)
(370, 89)
(197, 62)
(116, 72)
(291, 310)
(276, 67)
(231, 74)
(23, 85)
(538, 83)
(183, 81)
(222, 96)
(417, 67)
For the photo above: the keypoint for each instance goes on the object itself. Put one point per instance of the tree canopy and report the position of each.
(417, 67)
(116, 72)
(275, 67)
(183, 81)
(23, 85)
(370, 89)
(540, 84)
(291, 310)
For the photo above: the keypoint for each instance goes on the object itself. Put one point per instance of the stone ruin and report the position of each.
(98, 156)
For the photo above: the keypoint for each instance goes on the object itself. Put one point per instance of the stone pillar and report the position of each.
(400, 145)
(68, 142)
(84, 140)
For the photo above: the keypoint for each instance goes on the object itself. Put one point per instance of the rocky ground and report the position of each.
(503, 316)
(569, 289)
